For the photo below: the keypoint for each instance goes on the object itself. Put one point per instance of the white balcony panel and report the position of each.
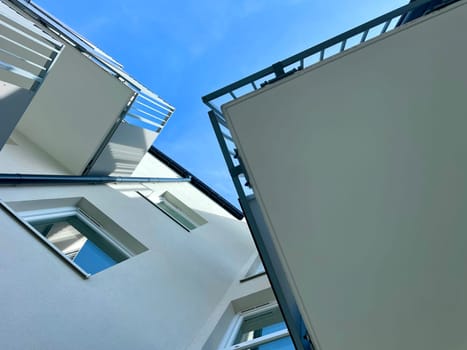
(73, 111)
(359, 165)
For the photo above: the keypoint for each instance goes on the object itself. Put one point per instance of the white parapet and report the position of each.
(358, 164)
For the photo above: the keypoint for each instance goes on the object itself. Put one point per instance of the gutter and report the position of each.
(195, 181)
(32, 179)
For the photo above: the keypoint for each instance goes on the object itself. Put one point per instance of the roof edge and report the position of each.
(195, 181)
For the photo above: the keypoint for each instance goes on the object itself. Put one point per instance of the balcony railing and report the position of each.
(148, 111)
(304, 59)
(269, 75)
(320, 52)
(26, 52)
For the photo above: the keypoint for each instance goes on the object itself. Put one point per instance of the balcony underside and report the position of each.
(69, 99)
(358, 165)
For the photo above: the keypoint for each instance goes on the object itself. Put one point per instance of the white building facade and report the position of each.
(353, 151)
(106, 242)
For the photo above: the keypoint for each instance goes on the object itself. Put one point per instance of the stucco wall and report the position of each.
(359, 166)
(156, 300)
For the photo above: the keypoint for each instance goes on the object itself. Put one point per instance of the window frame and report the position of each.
(26, 217)
(161, 205)
(256, 270)
(176, 205)
(265, 339)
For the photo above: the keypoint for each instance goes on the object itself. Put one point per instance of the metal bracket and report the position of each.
(279, 72)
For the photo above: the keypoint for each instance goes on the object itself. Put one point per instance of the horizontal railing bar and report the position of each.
(16, 19)
(25, 47)
(19, 71)
(148, 93)
(149, 107)
(164, 115)
(143, 119)
(149, 114)
(144, 125)
(315, 49)
(22, 59)
(25, 35)
(166, 107)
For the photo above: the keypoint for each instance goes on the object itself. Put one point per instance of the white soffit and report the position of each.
(73, 111)
(359, 166)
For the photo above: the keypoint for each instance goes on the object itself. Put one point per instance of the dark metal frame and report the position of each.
(278, 71)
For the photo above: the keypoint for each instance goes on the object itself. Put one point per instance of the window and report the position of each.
(256, 269)
(176, 209)
(80, 233)
(260, 329)
(79, 238)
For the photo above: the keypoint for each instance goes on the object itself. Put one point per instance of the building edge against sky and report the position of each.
(108, 243)
(345, 150)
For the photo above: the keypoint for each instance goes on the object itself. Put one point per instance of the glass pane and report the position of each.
(79, 242)
(256, 268)
(63, 235)
(92, 259)
(176, 215)
(260, 324)
(279, 344)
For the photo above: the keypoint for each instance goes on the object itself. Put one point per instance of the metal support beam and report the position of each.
(277, 279)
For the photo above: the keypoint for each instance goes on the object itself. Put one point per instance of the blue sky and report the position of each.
(183, 50)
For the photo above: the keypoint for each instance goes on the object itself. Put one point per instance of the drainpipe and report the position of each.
(31, 179)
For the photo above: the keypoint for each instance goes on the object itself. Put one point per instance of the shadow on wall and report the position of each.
(13, 103)
(183, 275)
(124, 151)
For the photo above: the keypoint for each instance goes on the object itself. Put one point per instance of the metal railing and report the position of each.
(26, 52)
(148, 113)
(153, 116)
(313, 55)
(316, 54)
(284, 68)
